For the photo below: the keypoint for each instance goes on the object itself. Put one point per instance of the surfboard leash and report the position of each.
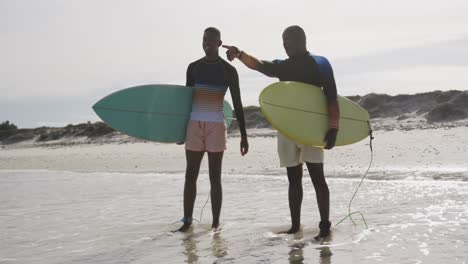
(350, 214)
(185, 219)
(207, 199)
(201, 213)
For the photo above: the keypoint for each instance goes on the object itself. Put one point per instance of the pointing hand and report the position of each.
(232, 52)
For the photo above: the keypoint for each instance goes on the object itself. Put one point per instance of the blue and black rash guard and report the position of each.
(305, 68)
(211, 79)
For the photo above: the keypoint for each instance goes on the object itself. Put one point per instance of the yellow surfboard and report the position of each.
(299, 112)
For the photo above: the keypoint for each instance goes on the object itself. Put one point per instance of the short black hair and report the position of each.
(214, 31)
(297, 31)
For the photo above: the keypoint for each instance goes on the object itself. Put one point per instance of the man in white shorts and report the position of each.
(301, 66)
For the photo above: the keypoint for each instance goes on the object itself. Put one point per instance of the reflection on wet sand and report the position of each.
(190, 246)
(325, 255)
(296, 254)
(191, 243)
(325, 252)
(218, 246)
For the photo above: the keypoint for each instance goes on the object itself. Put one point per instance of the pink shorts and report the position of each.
(206, 136)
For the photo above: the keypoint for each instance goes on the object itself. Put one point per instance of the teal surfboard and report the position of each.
(151, 112)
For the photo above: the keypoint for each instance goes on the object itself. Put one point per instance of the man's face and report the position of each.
(211, 43)
(293, 44)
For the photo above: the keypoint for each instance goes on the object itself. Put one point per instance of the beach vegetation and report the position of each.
(6, 125)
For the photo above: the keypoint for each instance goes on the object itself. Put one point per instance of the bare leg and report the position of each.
(323, 197)
(215, 160)
(295, 194)
(194, 159)
(321, 189)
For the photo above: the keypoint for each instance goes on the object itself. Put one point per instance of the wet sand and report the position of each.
(66, 217)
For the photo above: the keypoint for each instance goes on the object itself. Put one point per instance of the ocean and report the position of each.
(69, 217)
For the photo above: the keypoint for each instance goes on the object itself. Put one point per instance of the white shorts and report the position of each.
(292, 154)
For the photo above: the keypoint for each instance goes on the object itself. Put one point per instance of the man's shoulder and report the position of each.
(316, 56)
(321, 60)
(228, 65)
(192, 64)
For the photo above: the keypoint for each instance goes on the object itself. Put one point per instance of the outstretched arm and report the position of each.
(250, 61)
(271, 69)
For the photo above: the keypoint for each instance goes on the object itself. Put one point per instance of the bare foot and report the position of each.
(185, 227)
(292, 230)
(215, 227)
(321, 236)
(324, 231)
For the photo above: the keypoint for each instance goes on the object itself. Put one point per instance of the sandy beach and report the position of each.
(115, 202)
(398, 154)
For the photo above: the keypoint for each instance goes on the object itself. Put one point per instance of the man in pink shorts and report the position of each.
(210, 76)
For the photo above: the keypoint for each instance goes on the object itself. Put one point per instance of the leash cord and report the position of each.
(350, 214)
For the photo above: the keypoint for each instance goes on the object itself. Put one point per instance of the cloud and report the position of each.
(405, 80)
(444, 53)
(65, 55)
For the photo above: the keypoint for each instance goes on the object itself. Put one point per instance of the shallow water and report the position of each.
(65, 217)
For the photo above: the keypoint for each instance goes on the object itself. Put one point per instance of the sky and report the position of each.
(58, 57)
